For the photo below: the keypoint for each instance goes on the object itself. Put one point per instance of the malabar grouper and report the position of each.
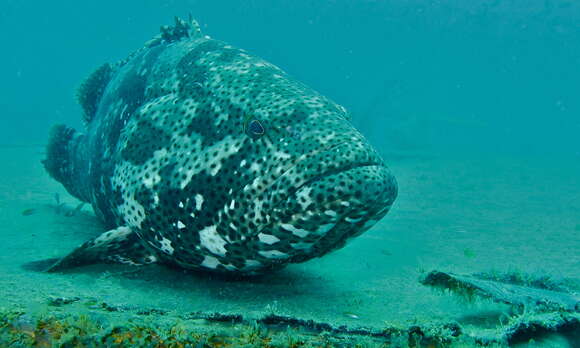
(202, 156)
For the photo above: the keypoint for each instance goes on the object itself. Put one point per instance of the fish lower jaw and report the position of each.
(322, 215)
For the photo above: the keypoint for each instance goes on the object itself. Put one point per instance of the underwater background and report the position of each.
(474, 105)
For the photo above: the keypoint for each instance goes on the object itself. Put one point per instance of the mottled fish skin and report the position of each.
(174, 153)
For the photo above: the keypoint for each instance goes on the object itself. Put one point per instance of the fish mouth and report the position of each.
(363, 187)
(329, 173)
(319, 165)
(276, 183)
(319, 190)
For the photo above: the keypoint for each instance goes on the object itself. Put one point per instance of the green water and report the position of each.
(473, 106)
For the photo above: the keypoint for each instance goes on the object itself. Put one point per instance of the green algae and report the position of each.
(152, 329)
(90, 322)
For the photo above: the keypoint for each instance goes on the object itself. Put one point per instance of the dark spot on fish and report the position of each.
(144, 142)
(228, 55)
(192, 75)
(192, 81)
(201, 49)
(132, 92)
(202, 124)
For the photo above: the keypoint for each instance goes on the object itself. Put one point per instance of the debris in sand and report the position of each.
(62, 209)
(75, 211)
(61, 301)
(59, 205)
(469, 253)
(28, 212)
(545, 306)
(351, 315)
(508, 289)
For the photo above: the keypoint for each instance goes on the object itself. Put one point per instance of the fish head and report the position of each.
(238, 167)
(312, 181)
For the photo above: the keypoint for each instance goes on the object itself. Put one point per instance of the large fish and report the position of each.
(203, 156)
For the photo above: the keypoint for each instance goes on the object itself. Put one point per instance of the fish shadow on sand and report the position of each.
(289, 283)
(83, 224)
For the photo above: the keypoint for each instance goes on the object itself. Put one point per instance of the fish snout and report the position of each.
(356, 197)
(336, 201)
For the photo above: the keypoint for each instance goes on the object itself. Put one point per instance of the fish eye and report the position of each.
(254, 128)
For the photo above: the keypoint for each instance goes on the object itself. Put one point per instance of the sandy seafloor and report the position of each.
(463, 214)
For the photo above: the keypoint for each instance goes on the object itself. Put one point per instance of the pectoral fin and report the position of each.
(120, 245)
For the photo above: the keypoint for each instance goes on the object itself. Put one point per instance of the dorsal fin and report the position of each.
(180, 30)
(91, 90)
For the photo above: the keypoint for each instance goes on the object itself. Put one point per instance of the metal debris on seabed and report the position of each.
(544, 305)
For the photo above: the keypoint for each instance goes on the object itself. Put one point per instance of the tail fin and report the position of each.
(61, 153)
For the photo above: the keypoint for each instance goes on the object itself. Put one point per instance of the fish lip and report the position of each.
(311, 154)
(332, 172)
(298, 160)
(292, 190)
